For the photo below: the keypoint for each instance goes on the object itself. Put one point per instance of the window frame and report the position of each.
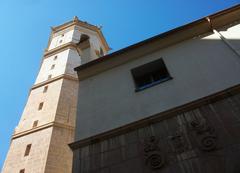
(52, 66)
(27, 150)
(22, 171)
(35, 124)
(136, 77)
(45, 89)
(49, 77)
(40, 106)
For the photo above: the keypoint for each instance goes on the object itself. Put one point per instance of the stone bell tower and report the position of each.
(40, 141)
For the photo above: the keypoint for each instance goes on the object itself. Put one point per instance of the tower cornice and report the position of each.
(42, 127)
(77, 22)
(58, 49)
(64, 76)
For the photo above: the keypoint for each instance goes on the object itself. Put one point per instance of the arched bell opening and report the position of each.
(84, 45)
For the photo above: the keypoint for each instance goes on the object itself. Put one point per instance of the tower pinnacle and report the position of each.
(75, 19)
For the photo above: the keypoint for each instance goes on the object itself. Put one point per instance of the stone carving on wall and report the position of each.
(154, 158)
(205, 135)
(178, 142)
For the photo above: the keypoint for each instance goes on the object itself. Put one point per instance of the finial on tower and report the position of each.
(75, 19)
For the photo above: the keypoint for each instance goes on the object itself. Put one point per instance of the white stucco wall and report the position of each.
(61, 38)
(95, 40)
(199, 67)
(73, 61)
(59, 69)
(74, 35)
(233, 36)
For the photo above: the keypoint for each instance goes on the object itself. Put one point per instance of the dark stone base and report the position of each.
(205, 139)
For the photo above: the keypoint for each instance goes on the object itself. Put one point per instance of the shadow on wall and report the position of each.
(204, 139)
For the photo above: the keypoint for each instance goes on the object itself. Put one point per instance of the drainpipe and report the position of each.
(222, 37)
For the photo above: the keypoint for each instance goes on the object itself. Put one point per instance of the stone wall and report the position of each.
(205, 139)
(59, 154)
(36, 160)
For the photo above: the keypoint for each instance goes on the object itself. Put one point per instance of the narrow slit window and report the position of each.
(53, 66)
(22, 171)
(35, 123)
(45, 89)
(55, 57)
(27, 150)
(49, 76)
(40, 106)
(150, 74)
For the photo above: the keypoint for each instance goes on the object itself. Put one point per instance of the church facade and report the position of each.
(167, 104)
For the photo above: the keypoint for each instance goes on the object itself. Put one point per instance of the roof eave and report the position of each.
(168, 38)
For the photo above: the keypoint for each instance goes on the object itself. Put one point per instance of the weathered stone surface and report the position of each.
(202, 140)
(56, 88)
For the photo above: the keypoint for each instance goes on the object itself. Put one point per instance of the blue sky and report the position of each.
(25, 27)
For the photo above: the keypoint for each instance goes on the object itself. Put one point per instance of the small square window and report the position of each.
(150, 74)
(35, 123)
(49, 76)
(55, 57)
(53, 66)
(62, 35)
(27, 150)
(40, 106)
(22, 171)
(45, 89)
(60, 41)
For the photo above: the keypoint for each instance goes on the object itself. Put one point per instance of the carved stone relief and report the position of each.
(205, 135)
(178, 142)
(154, 158)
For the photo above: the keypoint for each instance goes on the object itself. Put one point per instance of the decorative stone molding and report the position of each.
(178, 142)
(63, 76)
(42, 127)
(154, 158)
(205, 135)
(60, 48)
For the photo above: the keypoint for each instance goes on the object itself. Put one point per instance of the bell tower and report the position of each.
(39, 143)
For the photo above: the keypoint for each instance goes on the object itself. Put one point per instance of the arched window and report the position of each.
(83, 38)
(84, 45)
